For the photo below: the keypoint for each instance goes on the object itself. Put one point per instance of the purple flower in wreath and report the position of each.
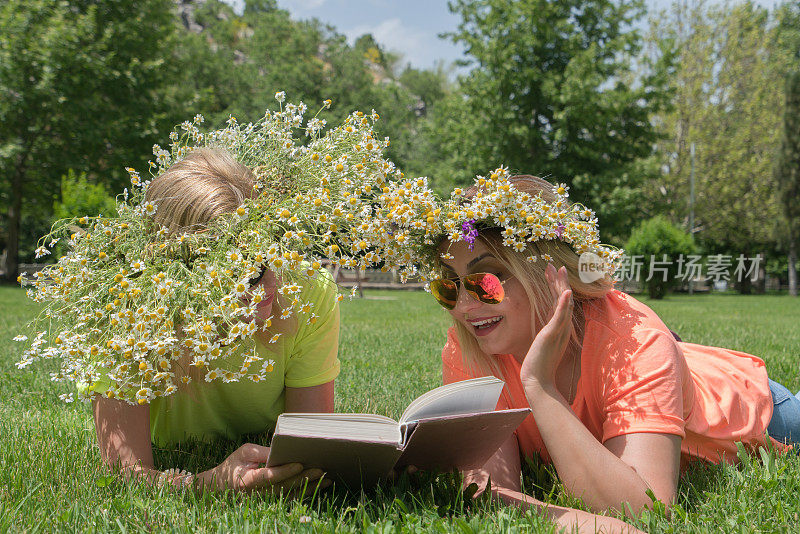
(469, 232)
(560, 229)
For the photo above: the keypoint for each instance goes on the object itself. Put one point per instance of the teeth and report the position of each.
(485, 322)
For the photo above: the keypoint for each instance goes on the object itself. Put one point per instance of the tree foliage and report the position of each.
(263, 51)
(656, 238)
(787, 174)
(83, 84)
(728, 98)
(79, 196)
(552, 92)
(563, 89)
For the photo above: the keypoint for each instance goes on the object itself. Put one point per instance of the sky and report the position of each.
(410, 27)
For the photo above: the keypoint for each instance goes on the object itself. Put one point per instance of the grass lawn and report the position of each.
(51, 477)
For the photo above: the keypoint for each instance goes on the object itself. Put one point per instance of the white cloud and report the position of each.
(417, 47)
(301, 5)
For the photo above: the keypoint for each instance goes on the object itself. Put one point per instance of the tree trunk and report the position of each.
(745, 286)
(761, 280)
(792, 269)
(14, 216)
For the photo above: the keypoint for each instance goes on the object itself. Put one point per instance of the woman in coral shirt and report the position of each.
(618, 405)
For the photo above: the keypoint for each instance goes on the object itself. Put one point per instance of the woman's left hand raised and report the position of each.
(540, 364)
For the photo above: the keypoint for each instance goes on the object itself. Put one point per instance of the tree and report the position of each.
(655, 238)
(787, 163)
(84, 84)
(253, 56)
(787, 174)
(728, 98)
(80, 197)
(552, 89)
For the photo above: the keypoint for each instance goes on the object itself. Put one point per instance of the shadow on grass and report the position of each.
(424, 491)
(410, 494)
(426, 497)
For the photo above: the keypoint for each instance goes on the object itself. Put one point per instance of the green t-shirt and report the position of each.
(218, 409)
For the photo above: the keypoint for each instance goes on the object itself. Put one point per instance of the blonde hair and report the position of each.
(532, 277)
(207, 183)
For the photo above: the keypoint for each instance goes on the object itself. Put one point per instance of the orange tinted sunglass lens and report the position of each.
(486, 287)
(445, 292)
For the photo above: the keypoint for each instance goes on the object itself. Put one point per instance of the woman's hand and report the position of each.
(243, 471)
(547, 349)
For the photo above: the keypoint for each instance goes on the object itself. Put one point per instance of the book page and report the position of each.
(469, 396)
(352, 426)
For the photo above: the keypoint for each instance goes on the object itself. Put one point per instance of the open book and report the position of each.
(451, 427)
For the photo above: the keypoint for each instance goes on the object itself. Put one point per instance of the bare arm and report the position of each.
(311, 399)
(604, 476)
(123, 434)
(504, 470)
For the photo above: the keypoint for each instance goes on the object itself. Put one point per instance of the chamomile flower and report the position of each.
(241, 212)
(241, 288)
(233, 256)
(316, 197)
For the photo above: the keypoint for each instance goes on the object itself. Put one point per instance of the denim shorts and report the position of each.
(785, 423)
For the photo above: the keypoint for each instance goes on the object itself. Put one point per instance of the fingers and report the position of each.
(272, 476)
(550, 275)
(250, 452)
(563, 313)
(561, 320)
(557, 281)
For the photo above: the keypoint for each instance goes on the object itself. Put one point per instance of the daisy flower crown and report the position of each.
(132, 305)
(519, 217)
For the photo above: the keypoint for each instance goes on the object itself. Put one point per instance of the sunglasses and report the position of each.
(486, 287)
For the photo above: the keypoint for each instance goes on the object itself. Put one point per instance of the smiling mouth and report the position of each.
(486, 323)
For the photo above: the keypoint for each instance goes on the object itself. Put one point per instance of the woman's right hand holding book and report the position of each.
(244, 470)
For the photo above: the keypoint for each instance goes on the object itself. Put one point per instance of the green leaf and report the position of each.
(104, 482)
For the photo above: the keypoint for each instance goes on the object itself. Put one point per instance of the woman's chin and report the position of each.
(494, 346)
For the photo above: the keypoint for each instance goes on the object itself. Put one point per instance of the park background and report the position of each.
(627, 103)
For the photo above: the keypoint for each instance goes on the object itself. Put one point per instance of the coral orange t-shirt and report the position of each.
(635, 377)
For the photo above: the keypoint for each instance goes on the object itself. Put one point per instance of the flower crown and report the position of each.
(129, 299)
(520, 218)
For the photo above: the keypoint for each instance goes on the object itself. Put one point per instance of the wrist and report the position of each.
(178, 478)
(535, 390)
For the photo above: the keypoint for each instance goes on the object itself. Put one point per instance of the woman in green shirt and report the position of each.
(303, 363)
